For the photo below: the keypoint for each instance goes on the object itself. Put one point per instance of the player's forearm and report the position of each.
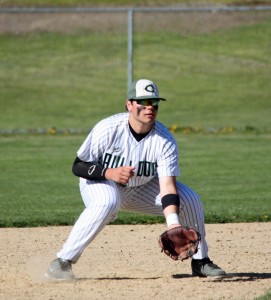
(88, 170)
(170, 200)
(171, 209)
(171, 204)
(172, 216)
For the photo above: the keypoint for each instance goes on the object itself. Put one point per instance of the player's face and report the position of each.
(143, 111)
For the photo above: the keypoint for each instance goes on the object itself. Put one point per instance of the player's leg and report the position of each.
(142, 199)
(192, 215)
(146, 199)
(102, 201)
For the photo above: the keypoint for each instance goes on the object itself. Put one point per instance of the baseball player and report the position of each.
(129, 161)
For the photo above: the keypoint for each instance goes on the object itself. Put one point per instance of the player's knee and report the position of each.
(104, 209)
(191, 200)
(111, 204)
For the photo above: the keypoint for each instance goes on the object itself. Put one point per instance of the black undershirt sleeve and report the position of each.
(88, 170)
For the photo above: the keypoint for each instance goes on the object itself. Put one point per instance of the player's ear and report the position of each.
(129, 105)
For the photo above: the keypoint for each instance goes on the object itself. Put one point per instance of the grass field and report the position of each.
(73, 80)
(218, 88)
(230, 172)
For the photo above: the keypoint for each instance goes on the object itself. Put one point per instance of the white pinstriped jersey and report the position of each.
(112, 144)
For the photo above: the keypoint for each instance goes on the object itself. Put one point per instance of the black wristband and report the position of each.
(170, 199)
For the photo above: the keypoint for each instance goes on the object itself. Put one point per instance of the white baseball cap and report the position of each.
(143, 89)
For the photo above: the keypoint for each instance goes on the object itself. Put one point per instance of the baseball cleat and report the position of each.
(206, 268)
(60, 270)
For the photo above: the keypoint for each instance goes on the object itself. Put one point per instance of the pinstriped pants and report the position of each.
(103, 200)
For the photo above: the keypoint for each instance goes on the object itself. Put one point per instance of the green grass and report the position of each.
(212, 80)
(71, 81)
(222, 77)
(230, 172)
(267, 296)
(54, 80)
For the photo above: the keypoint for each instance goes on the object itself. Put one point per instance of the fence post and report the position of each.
(130, 45)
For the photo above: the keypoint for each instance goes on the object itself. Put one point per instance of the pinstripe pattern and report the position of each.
(112, 144)
(102, 202)
(104, 199)
(146, 199)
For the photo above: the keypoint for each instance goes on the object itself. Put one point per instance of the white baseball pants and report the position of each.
(103, 200)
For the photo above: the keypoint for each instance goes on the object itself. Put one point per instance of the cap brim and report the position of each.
(148, 97)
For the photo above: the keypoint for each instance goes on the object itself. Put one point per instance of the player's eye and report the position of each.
(147, 102)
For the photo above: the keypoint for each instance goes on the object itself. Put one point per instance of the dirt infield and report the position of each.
(124, 262)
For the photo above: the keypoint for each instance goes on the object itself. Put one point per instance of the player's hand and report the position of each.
(120, 175)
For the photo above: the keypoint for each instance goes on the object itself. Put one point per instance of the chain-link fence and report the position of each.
(213, 65)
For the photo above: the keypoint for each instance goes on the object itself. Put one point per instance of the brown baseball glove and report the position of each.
(179, 242)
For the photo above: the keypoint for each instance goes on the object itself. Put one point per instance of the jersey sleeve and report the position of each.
(100, 138)
(94, 145)
(168, 163)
